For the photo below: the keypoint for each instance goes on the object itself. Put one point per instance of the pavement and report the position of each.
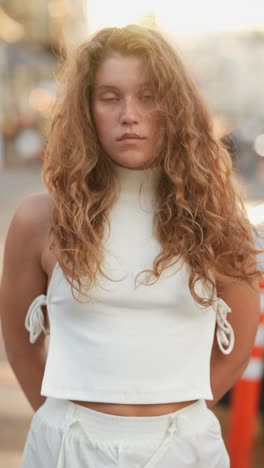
(15, 411)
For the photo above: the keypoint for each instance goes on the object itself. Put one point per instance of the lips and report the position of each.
(131, 136)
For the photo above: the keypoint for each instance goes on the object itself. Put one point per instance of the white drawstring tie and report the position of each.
(65, 443)
(224, 333)
(72, 425)
(34, 321)
(170, 439)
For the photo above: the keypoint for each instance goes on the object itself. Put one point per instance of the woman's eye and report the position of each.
(146, 96)
(110, 99)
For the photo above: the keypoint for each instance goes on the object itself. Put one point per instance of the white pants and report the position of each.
(67, 435)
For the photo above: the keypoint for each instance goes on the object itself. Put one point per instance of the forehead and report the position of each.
(121, 71)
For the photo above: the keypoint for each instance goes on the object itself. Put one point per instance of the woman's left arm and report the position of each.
(244, 318)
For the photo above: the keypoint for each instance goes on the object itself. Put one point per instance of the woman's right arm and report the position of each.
(23, 278)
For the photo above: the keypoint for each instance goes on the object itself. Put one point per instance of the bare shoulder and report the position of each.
(34, 213)
(23, 276)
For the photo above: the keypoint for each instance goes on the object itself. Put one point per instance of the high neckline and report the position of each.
(136, 179)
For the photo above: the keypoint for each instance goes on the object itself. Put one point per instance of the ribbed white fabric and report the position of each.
(134, 344)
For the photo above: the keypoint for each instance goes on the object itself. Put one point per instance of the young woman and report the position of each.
(133, 262)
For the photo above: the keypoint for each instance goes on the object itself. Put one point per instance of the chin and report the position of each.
(132, 161)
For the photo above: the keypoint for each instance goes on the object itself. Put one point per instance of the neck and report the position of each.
(138, 179)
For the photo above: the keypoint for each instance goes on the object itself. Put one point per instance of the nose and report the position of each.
(129, 114)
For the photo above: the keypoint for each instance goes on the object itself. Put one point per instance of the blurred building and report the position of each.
(33, 34)
(228, 69)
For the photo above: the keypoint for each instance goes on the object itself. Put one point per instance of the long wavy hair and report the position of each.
(200, 215)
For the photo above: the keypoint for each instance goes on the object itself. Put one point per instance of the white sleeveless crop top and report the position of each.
(144, 345)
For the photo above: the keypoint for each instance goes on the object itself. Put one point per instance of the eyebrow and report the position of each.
(107, 87)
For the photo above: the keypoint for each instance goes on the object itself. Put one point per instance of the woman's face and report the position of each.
(125, 112)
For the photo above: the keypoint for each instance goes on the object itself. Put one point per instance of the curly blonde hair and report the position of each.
(200, 214)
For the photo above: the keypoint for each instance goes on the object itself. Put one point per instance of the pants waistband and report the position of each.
(117, 428)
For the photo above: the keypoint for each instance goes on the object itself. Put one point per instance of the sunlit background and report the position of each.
(177, 16)
(220, 42)
(222, 45)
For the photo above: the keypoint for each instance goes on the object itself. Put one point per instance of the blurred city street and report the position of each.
(224, 55)
(15, 411)
(221, 46)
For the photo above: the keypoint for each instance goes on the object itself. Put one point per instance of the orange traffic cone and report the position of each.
(244, 402)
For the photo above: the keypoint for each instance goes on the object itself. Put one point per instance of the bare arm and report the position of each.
(23, 279)
(226, 369)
